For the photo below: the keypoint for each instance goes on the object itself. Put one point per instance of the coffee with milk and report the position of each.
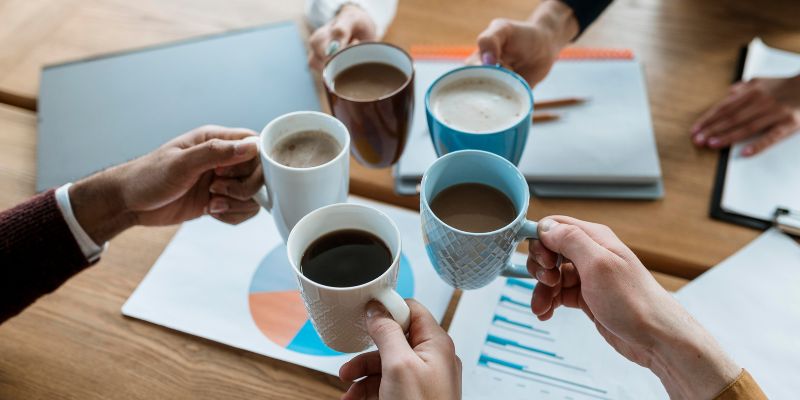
(305, 149)
(478, 105)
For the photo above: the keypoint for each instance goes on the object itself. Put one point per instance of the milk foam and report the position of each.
(478, 105)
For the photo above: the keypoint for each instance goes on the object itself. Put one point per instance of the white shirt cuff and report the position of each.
(90, 249)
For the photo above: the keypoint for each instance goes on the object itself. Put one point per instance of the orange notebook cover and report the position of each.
(426, 52)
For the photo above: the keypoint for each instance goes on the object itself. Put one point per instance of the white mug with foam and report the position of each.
(290, 193)
(338, 312)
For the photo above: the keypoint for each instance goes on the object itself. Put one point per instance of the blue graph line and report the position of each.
(519, 283)
(508, 342)
(484, 360)
(519, 324)
(507, 299)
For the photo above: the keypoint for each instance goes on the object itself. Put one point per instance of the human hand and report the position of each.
(422, 367)
(210, 169)
(528, 47)
(630, 309)
(768, 108)
(350, 26)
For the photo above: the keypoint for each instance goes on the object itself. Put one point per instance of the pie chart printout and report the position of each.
(277, 308)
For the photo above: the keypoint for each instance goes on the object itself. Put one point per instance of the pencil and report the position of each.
(544, 117)
(568, 101)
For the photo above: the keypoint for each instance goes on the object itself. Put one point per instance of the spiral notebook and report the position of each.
(604, 148)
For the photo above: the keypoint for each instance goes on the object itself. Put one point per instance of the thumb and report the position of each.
(385, 332)
(216, 153)
(572, 242)
(341, 31)
(492, 40)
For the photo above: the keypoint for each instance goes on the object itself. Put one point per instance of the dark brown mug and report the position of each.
(378, 126)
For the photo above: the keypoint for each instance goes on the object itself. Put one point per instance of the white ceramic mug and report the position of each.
(338, 312)
(290, 193)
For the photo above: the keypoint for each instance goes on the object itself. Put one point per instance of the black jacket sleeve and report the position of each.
(586, 11)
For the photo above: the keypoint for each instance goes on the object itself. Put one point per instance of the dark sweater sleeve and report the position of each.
(37, 253)
(586, 11)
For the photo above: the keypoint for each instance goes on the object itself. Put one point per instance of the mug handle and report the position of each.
(529, 231)
(263, 196)
(396, 306)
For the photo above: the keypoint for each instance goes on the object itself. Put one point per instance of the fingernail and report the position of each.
(714, 142)
(748, 151)
(218, 206)
(538, 258)
(699, 138)
(488, 58)
(374, 310)
(539, 274)
(547, 225)
(218, 188)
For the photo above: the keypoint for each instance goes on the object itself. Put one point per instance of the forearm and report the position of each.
(689, 361)
(37, 253)
(558, 18)
(99, 207)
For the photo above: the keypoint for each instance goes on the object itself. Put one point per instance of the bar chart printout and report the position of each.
(507, 353)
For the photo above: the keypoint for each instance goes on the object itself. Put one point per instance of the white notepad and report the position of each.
(602, 148)
(756, 186)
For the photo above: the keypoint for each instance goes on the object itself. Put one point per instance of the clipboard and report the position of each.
(783, 219)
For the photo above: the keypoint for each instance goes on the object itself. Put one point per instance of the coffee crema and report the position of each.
(368, 81)
(478, 105)
(473, 207)
(305, 149)
(345, 258)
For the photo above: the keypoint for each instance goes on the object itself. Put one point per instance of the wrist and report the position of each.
(689, 361)
(99, 207)
(559, 19)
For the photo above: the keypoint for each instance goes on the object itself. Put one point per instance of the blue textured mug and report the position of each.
(469, 260)
(508, 142)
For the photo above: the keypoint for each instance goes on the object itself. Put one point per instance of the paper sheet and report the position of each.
(508, 354)
(234, 285)
(755, 186)
(751, 304)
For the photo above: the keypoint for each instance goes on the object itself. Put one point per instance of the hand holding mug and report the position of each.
(351, 25)
(630, 309)
(423, 366)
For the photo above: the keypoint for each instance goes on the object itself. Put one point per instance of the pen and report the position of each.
(544, 117)
(567, 101)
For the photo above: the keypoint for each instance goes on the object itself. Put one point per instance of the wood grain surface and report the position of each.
(75, 344)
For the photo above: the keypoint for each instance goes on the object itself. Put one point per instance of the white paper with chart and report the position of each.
(234, 285)
(508, 354)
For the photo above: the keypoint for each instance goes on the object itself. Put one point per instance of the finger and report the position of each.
(749, 129)
(386, 333)
(214, 153)
(572, 241)
(543, 257)
(721, 110)
(601, 234)
(492, 40)
(367, 388)
(239, 170)
(207, 132)
(341, 31)
(738, 118)
(569, 276)
(548, 277)
(241, 189)
(361, 365)
(234, 218)
(473, 59)
(771, 137)
(542, 299)
(424, 328)
(219, 204)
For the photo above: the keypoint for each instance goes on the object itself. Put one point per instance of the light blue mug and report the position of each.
(470, 260)
(507, 142)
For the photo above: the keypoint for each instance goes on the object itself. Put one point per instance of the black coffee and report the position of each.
(345, 258)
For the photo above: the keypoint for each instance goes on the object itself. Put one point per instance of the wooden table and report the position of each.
(75, 343)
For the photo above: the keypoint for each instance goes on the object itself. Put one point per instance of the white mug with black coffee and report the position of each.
(306, 165)
(345, 255)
